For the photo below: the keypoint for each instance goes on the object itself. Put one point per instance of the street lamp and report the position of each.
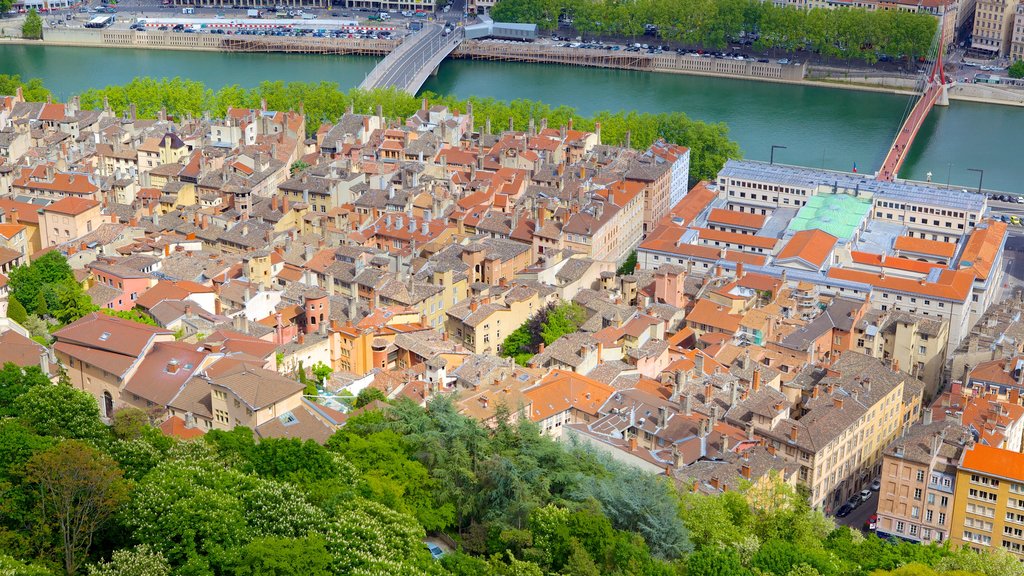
(949, 170)
(981, 176)
(774, 146)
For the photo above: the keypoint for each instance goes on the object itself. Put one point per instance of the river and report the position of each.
(819, 127)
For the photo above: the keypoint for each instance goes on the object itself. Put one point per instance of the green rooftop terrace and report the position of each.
(837, 214)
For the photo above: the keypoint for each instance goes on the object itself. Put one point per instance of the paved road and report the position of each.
(859, 517)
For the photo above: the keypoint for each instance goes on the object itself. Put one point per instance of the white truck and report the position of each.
(254, 13)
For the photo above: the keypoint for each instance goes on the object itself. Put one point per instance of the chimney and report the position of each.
(739, 270)
(793, 433)
(44, 356)
(680, 381)
(926, 416)
(188, 310)
(540, 348)
(755, 382)
(632, 444)
(838, 403)
(687, 404)
(698, 360)
(662, 415)
(745, 471)
(172, 367)
(709, 391)
(735, 396)
(473, 305)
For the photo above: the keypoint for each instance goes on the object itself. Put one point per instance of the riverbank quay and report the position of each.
(748, 69)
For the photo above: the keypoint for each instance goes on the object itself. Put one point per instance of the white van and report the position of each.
(188, 10)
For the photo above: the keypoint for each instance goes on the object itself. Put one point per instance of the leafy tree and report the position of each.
(321, 371)
(297, 166)
(80, 488)
(997, 562)
(15, 381)
(564, 319)
(61, 411)
(272, 556)
(629, 266)
(1016, 69)
(715, 562)
(12, 567)
(15, 311)
(42, 308)
(32, 91)
(32, 29)
(129, 423)
(138, 561)
(579, 562)
(369, 394)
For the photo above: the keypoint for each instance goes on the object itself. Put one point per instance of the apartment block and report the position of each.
(844, 417)
(988, 510)
(994, 22)
(918, 480)
(914, 343)
(1017, 38)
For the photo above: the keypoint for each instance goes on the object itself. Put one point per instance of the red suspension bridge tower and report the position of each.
(933, 93)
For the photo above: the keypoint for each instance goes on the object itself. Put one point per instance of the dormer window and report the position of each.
(104, 337)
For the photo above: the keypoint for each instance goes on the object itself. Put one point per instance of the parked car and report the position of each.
(854, 501)
(864, 495)
(435, 551)
(876, 484)
(844, 511)
(872, 523)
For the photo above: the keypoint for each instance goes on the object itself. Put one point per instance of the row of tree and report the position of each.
(126, 500)
(848, 33)
(325, 102)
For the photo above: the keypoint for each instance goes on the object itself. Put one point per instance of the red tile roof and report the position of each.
(695, 201)
(923, 246)
(738, 239)
(736, 218)
(994, 462)
(812, 246)
(561, 390)
(980, 252)
(71, 206)
(951, 285)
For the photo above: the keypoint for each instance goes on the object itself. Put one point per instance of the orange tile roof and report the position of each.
(952, 285)
(561, 390)
(734, 238)
(708, 313)
(72, 206)
(736, 218)
(893, 262)
(980, 252)
(175, 426)
(812, 246)
(923, 246)
(695, 201)
(994, 462)
(27, 213)
(10, 230)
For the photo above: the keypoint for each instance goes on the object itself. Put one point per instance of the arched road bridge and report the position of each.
(416, 58)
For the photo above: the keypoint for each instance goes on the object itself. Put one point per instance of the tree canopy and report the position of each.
(32, 28)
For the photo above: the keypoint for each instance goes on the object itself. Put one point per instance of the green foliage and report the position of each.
(135, 315)
(32, 91)
(12, 567)
(273, 556)
(563, 319)
(47, 286)
(32, 28)
(61, 411)
(15, 381)
(849, 33)
(321, 371)
(15, 311)
(629, 266)
(369, 394)
(297, 166)
(1016, 69)
(138, 561)
(79, 489)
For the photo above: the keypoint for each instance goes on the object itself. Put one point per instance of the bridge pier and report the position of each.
(943, 98)
(434, 71)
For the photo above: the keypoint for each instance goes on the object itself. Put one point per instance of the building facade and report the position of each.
(989, 504)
